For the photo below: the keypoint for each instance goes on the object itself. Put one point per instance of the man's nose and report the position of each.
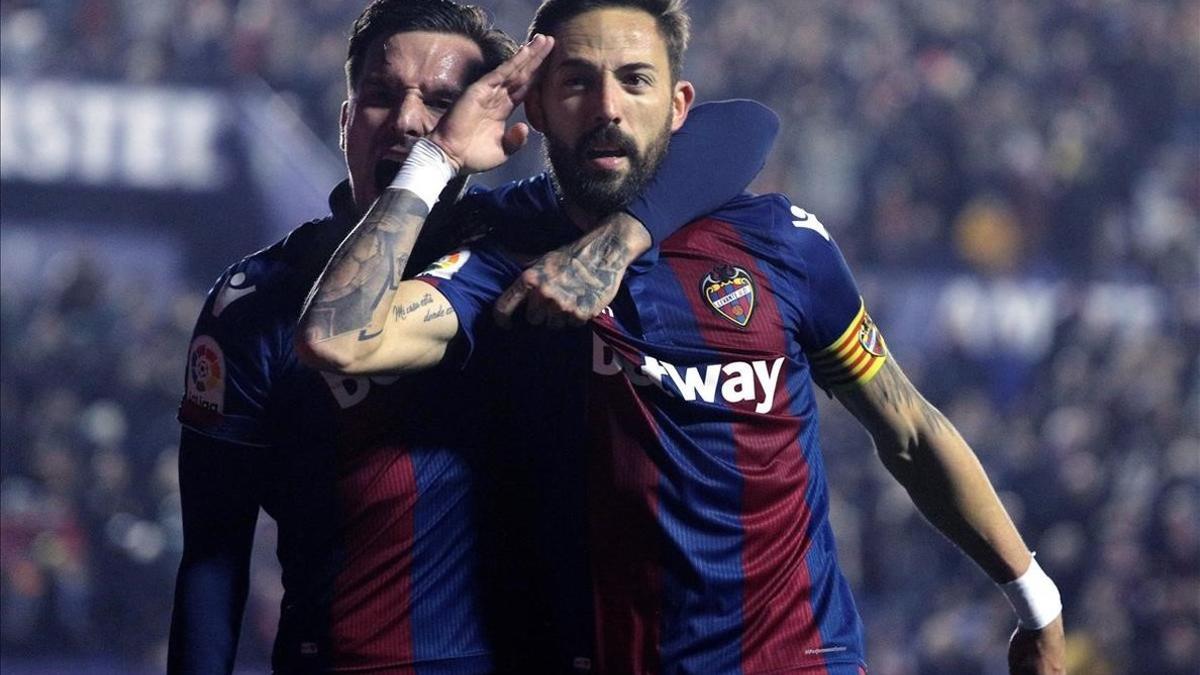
(412, 118)
(608, 106)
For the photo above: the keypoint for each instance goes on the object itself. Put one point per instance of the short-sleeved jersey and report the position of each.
(709, 538)
(370, 479)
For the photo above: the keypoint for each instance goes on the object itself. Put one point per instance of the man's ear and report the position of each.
(342, 120)
(681, 103)
(533, 108)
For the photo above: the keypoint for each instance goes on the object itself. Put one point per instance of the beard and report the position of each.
(600, 192)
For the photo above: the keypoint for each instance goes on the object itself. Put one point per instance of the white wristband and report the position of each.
(1034, 597)
(425, 172)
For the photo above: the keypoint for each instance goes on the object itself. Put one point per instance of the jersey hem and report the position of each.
(208, 433)
(478, 662)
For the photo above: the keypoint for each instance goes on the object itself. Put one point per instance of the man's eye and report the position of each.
(575, 82)
(638, 80)
(439, 103)
(376, 97)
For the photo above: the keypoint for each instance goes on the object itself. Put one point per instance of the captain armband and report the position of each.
(1034, 598)
(425, 172)
(854, 358)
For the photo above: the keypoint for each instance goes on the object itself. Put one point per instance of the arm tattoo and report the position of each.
(438, 312)
(900, 395)
(366, 270)
(401, 312)
(586, 271)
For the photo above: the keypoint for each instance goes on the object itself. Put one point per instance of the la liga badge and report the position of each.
(729, 291)
(206, 375)
(447, 266)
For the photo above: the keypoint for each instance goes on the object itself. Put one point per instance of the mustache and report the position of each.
(607, 136)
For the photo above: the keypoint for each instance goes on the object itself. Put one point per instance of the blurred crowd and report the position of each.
(1001, 139)
(1000, 135)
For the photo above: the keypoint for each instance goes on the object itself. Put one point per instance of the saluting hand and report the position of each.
(472, 133)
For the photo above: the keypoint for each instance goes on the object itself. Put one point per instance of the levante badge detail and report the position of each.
(729, 291)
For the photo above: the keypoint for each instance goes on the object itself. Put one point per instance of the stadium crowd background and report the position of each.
(972, 157)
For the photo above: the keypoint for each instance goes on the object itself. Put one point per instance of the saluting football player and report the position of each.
(710, 544)
(373, 482)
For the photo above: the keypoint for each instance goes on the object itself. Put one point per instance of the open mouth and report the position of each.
(385, 173)
(597, 153)
(605, 158)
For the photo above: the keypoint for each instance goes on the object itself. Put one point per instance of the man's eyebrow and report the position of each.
(445, 91)
(640, 65)
(577, 62)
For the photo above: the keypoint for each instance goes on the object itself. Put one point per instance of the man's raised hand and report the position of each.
(472, 133)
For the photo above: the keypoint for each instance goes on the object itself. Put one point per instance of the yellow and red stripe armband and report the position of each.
(854, 358)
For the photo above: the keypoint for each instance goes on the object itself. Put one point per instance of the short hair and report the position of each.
(384, 18)
(673, 21)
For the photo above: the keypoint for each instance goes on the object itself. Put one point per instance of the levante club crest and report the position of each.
(730, 291)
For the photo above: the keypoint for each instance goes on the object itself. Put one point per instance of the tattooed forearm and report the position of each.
(585, 273)
(573, 284)
(606, 259)
(364, 273)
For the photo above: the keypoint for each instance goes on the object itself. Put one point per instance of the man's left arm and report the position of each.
(926, 454)
(917, 444)
(706, 165)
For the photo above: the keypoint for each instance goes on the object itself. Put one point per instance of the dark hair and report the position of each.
(384, 18)
(674, 24)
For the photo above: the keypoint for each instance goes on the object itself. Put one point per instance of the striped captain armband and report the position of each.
(852, 359)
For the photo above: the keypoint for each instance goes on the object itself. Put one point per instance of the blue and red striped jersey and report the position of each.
(371, 481)
(709, 540)
(389, 517)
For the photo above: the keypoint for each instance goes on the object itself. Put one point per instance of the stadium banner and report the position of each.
(204, 166)
(118, 136)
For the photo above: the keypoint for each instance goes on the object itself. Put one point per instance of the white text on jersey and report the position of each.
(735, 381)
(350, 391)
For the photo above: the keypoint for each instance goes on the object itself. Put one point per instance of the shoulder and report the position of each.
(770, 226)
(523, 215)
(266, 288)
(774, 214)
(522, 199)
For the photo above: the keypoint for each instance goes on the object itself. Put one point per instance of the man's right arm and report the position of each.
(219, 514)
(360, 316)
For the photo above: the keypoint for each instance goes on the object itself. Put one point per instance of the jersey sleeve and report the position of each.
(842, 343)
(711, 159)
(219, 508)
(229, 361)
(471, 279)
